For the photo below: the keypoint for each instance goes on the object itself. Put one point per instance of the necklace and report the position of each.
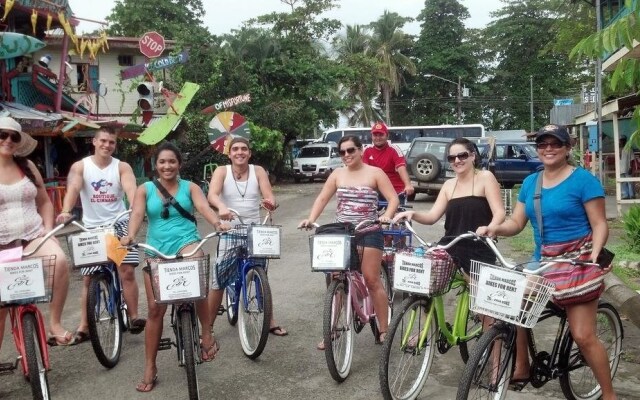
(235, 180)
(238, 175)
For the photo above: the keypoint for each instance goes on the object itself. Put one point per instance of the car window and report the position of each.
(530, 150)
(312, 152)
(437, 149)
(501, 151)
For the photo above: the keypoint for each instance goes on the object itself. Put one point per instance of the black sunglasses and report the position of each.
(164, 214)
(460, 156)
(350, 150)
(545, 145)
(15, 136)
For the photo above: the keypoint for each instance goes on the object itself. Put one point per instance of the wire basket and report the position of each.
(508, 295)
(334, 252)
(263, 241)
(231, 248)
(28, 281)
(89, 248)
(179, 281)
(423, 272)
(394, 240)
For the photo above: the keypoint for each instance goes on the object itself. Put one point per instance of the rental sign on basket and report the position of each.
(21, 280)
(412, 273)
(500, 291)
(179, 280)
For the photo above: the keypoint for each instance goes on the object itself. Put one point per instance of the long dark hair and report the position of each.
(470, 147)
(171, 147)
(354, 139)
(23, 164)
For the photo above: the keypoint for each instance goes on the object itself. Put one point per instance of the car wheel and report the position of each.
(425, 167)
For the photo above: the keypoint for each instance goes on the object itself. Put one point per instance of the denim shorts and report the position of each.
(372, 239)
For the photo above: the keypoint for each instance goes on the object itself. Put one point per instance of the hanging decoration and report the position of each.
(34, 20)
(8, 5)
(49, 20)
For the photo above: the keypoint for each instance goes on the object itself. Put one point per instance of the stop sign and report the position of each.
(151, 44)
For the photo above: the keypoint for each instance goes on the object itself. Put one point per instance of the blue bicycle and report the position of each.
(242, 270)
(106, 309)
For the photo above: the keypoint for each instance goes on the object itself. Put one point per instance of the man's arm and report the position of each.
(215, 190)
(404, 175)
(74, 186)
(128, 181)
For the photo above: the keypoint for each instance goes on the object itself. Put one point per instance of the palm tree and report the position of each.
(388, 43)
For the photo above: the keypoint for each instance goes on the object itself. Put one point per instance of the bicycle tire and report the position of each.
(578, 382)
(473, 324)
(232, 315)
(386, 284)
(400, 351)
(338, 333)
(37, 372)
(477, 375)
(254, 319)
(189, 348)
(105, 320)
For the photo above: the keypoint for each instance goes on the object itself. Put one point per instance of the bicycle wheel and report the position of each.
(105, 324)
(232, 316)
(33, 351)
(189, 349)
(490, 365)
(255, 315)
(338, 332)
(386, 284)
(472, 329)
(579, 383)
(405, 363)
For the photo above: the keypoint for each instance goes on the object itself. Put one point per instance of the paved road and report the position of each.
(290, 367)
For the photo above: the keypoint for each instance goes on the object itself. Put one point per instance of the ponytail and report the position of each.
(23, 164)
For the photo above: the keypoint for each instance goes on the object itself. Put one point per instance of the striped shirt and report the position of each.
(356, 204)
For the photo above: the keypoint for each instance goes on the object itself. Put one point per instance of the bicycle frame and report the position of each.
(16, 314)
(244, 265)
(115, 301)
(361, 303)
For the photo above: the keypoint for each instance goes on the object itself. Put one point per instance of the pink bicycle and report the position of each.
(25, 282)
(348, 306)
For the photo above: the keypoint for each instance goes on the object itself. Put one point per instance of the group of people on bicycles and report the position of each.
(572, 204)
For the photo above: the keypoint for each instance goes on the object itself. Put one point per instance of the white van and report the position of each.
(316, 160)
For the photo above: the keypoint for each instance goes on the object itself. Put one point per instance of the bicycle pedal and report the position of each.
(221, 310)
(7, 368)
(165, 344)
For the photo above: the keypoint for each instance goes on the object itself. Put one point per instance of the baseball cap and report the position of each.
(27, 144)
(559, 132)
(379, 127)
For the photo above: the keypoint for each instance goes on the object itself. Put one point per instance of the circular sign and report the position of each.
(223, 127)
(152, 44)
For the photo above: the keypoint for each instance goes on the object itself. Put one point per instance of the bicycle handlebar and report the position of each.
(102, 227)
(135, 246)
(48, 236)
(264, 221)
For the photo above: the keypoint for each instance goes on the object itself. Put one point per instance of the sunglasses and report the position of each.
(164, 214)
(350, 150)
(460, 156)
(15, 136)
(546, 145)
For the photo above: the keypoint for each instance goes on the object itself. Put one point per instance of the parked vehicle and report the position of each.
(510, 161)
(316, 160)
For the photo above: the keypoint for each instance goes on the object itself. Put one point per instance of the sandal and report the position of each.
(137, 325)
(145, 387)
(66, 339)
(321, 345)
(278, 331)
(518, 384)
(206, 353)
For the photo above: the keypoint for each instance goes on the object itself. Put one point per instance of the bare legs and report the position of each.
(371, 264)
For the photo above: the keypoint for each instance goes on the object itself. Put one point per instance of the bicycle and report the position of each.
(394, 239)
(172, 282)
(419, 326)
(242, 271)
(489, 370)
(107, 314)
(32, 283)
(348, 306)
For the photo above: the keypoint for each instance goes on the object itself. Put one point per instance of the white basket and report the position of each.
(89, 248)
(263, 241)
(332, 252)
(27, 281)
(508, 295)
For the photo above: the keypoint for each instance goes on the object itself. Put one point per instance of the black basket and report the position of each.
(48, 272)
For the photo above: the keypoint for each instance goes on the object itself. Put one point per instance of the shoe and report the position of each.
(518, 384)
(209, 354)
(137, 325)
(60, 340)
(145, 387)
(80, 337)
(278, 331)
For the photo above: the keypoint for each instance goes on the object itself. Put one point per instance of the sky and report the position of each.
(221, 18)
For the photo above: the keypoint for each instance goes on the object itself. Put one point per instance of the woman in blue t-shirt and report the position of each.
(573, 217)
(171, 233)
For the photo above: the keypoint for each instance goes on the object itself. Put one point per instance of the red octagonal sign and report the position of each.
(151, 44)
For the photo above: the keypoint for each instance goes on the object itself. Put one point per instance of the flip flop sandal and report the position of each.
(278, 331)
(145, 387)
(54, 340)
(205, 356)
(137, 325)
(80, 337)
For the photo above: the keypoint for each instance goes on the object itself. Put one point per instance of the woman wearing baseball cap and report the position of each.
(27, 215)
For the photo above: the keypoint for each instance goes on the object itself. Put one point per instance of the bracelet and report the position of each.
(65, 212)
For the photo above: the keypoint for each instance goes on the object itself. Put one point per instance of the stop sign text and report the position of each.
(152, 44)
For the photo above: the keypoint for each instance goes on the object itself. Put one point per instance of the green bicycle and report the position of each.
(419, 326)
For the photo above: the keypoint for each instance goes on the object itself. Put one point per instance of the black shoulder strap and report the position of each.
(174, 202)
(537, 206)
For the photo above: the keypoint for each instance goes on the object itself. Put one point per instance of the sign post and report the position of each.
(151, 44)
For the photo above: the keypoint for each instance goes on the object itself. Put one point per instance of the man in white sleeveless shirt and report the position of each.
(101, 181)
(241, 186)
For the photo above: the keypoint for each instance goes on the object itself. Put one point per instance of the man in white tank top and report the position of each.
(241, 186)
(101, 181)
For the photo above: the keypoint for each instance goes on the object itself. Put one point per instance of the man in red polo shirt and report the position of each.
(389, 158)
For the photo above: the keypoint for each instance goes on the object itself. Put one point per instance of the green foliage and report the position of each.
(631, 221)
(266, 147)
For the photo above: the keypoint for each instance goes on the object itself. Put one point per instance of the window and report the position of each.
(125, 60)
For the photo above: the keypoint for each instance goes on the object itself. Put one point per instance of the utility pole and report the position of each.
(459, 102)
(599, 96)
(531, 103)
